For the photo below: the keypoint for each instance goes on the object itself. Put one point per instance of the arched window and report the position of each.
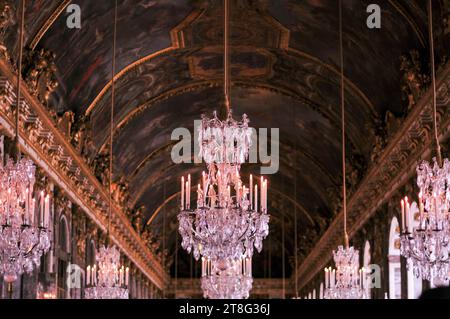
(395, 277)
(414, 283)
(91, 252)
(366, 262)
(63, 257)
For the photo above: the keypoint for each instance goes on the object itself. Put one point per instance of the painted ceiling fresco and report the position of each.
(284, 68)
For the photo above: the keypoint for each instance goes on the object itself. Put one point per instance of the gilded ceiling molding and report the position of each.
(348, 82)
(177, 43)
(161, 97)
(48, 23)
(124, 71)
(410, 20)
(215, 83)
(395, 167)
(148, 158)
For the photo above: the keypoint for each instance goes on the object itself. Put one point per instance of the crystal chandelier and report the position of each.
(107, 279)
(344, 280)
(427, 245)
(347, 281)
(226, 279)
(230, 219)
(24, 237)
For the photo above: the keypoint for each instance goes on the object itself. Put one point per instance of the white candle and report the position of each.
(41, 209)
(27, 207)
(333, 278)
(361, 278)
(403, 214)
(182, 193)
(435, 210)
(251, 192)
(88, 275)
(408, 218)
(265, 195)
(262, 194)
(187, 196)
(256, 198)
(326, 278)
(420, 208)
(33, 206)
(189, 192)
(94, 275)
(127, 276)
(47, 210)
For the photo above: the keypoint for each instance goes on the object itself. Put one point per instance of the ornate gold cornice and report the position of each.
(412, 142)
(51, 150)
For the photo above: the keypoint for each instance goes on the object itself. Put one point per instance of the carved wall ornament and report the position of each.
(414, 80)
(6, 19)
(40, 75)
(100, 167)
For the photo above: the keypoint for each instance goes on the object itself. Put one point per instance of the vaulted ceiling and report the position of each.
(284, 56)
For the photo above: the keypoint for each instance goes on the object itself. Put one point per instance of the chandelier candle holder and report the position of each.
(347, 281)
(226, 279)
(230, 219)
(427, 245)
(108, 279)
(24, 237)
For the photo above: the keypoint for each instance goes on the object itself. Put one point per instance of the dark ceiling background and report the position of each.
(284, 56)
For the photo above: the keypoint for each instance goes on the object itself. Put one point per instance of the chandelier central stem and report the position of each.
(111, 127)
(19, 78)
(433, 80)
(344, 184)
(226, 57)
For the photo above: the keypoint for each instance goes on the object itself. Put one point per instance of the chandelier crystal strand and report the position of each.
(226, 279)
(426, 244)
(107, 279)
(24, 237)
(343, 282)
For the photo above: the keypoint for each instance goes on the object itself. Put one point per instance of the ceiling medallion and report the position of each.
(426, 245)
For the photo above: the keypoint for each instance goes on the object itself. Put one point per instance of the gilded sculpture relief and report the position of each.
(414, 80)
(6, 16)
(40, 75)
